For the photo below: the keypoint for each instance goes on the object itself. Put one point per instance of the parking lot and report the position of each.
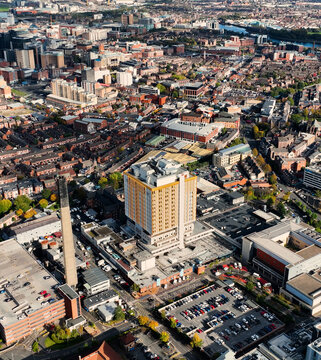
(222, 317)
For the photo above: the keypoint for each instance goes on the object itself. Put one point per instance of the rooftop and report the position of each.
(25, 279)
(306, 284)
(95, 276)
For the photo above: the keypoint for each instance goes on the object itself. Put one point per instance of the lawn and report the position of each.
(49, 343)
(18, 92)
(4, 9)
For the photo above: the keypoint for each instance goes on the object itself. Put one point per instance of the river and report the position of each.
(242, 31)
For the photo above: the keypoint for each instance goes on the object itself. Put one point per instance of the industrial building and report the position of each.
(95, 281)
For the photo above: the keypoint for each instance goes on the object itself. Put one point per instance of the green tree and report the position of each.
(119, 315)
(161, 88)
(318, 194)
(172, 323)
(102, 182)
(164, 337)
(196, 342)
(175, 94)
(163, 315)
(250, 286)
(281, 209)
(46, 193)
(115, 180)
(22, 202)
(43, 203)
(5, 205)
(273, 179)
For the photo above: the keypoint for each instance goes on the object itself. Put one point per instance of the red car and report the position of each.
(47, 295)
(43, 292)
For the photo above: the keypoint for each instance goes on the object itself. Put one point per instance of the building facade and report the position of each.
(160, 203)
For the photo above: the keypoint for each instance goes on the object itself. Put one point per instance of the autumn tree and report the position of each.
(267, 168)
(273, 179)
(255, 152)
(164, 337)
(43, 203)
(53, 197)
(196, 342)
(143, 320)
(153, 325)
(102, 182)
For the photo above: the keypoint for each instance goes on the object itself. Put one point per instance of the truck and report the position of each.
(101, 262)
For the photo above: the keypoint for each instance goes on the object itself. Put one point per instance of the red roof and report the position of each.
(105, 352)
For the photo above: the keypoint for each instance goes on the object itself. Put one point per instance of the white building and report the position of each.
(312, 177)
(95, 281)
(124, 78)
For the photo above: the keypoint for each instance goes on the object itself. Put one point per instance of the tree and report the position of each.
(22, 202)
(164, 337)
(143, 320)
(271, 201)
(134, 288)
(46, 193)
(318, 194)
(172, 323)
(286, 196)
(267, 168)
(115, 179)
(260, 160)
(175, 94)
(53, 197)
(102, 182)
(43, 203)
(119, 315)
(161, 88)
(153, 325)
(281, 209)
(250, 286)
(196, 342)
(273, 179)
(30, 213)
(255, 152)
(19, 212)
(5, 205)
(163, 315)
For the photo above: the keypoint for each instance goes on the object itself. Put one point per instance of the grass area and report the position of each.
(18, 93)
(4, 9)
(49, 343)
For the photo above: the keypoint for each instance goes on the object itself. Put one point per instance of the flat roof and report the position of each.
(95, 276)
(17, 269)
(68, 291)
(306, 284)
(309, 251)
(34, 224)
(99, 298)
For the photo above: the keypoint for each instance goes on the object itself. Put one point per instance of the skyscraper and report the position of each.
(67, 236)
(160, 203)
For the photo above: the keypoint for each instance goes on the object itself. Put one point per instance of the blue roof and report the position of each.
(236, 148)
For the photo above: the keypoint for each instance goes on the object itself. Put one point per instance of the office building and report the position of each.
(124, 78)
(67, 235)
(230, 156)
(26, 283)
(52, 59)
(314, 350)
(160, 203)
(127, 19)
(72, 301)
(25, 59)
(312, 177)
